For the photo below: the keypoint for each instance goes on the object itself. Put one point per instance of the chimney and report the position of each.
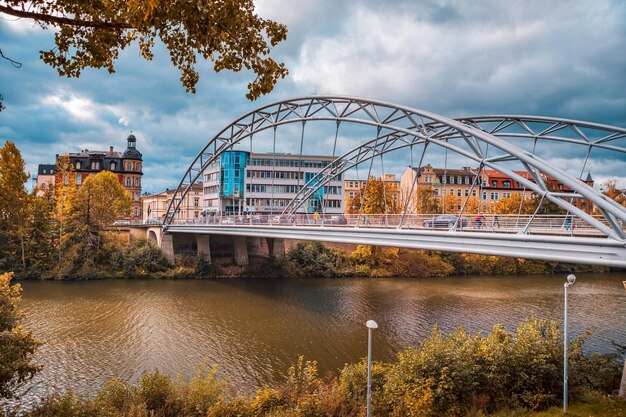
(111, 149)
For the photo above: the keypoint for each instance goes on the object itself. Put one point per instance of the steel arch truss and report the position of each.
(399, 127)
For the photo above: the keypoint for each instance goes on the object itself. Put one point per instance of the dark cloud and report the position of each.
(451, 57)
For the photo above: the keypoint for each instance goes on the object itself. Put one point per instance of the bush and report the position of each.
(141, 258)
(313, 259)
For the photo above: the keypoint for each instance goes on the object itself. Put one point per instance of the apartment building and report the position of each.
(126, 165)
(255, 183)
(488, 185)
(154, 206)
(459, 183)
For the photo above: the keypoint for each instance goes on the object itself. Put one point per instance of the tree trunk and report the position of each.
(23, 253)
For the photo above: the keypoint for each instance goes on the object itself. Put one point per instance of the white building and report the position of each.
(254, 183)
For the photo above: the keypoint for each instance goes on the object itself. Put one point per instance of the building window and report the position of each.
(137, 182)
(484, 195)
(129, 166)
(66, 179)
(458, 180)
(458, 192)
(78, 165)
(196, 201)
(467, 180)
(79, 179)
(507, 184)
(128, 182)
(137, 167)
(95, 165)
(494, 183)
(112, 166)
(494, 196)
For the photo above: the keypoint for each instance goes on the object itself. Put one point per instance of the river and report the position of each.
(254, 329)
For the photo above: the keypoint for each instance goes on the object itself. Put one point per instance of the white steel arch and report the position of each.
(400, 126)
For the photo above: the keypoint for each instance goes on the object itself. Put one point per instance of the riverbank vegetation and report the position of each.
(499, 373)
(63, 232)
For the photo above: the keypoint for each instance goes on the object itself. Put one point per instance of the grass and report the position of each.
(595, 406)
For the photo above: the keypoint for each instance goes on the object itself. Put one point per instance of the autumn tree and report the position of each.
(14, 208)
(17, 346)
(425, 201)
(610, 190)
(514, 204)
(92, 33)
(374, 198)
(96, 204)
(451, 204)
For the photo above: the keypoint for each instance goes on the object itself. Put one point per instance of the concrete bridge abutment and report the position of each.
(276, 247)
(167, 246)
(240, 247)
(203, 243)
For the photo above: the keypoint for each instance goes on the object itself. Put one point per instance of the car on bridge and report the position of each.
(282, 219)
(445, 221)
(336, 219)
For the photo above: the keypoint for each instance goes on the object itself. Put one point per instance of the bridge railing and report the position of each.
(492, 223)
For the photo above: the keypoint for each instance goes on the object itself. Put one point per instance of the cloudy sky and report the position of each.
(456, 58)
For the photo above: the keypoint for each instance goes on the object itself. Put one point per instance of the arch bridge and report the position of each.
(361, 134)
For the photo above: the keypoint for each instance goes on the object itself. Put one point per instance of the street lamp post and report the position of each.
(371, 324)
(570, 280)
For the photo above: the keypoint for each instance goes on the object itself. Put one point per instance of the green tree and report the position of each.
(92, 33)
(17, 346)
(42, 233)
(14, 208)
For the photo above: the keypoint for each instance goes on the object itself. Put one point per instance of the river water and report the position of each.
(254, 329)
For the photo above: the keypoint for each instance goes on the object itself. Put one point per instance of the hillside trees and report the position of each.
(93, 33)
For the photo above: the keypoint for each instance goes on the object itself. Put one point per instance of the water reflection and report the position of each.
(254, 329)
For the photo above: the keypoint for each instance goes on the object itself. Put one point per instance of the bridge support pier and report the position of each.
(240, 246)
(276, 247)
(167, 246)
(204, 246)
